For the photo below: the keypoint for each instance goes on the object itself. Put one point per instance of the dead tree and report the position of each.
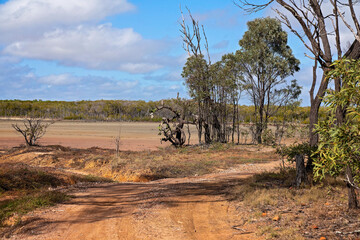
(172, 128)
(32, 130)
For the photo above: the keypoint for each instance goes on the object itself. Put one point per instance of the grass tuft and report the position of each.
(20, 206)
(24, 188)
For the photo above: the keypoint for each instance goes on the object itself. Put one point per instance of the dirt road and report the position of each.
(179, 208)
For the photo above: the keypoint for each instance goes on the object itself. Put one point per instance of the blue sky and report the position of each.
(112, 49)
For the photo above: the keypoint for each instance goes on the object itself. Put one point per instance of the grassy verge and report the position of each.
(183, 162)
(24, 189)
(145, 165)
(17, 207)
(279, 211)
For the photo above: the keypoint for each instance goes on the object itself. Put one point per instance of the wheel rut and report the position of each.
(179, 208)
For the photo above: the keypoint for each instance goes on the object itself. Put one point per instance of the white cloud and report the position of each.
(68, 32)
(62, 79)
(22, 83)
(21, 19)
(95, 47)
(173, 76)
(175, 87)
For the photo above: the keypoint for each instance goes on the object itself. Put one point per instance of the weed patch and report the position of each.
(20, 206)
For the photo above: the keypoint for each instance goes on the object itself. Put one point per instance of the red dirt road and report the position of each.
(183, 208)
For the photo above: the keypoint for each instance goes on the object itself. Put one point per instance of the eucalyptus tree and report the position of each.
(232, 77)
(196, 73)
(339, 144)
(266, 62)
(211, 85)
(224, 88)
(318, 26)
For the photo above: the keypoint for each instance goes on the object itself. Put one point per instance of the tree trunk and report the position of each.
(238, 122)
(354, 51)
(199, 130)
(314, 115)
(300, 170)
(314, 137)
(218, 134)
(260, 123)
(352, 200)
(207, 133)
(233, 123)
(206, 123)
(258, 132)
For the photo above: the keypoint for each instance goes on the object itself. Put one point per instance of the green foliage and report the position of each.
(196, 75)
(266, 61)
(29, 203)
(264, 46)
(296, 149)
(121, 110)
(339, 143)
(268, 137)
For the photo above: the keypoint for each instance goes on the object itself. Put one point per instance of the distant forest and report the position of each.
(122, 110)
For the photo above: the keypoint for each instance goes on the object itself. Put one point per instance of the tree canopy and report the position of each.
(266, 61)
(339, 142)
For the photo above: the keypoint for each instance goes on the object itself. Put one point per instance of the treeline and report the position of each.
(122, 110)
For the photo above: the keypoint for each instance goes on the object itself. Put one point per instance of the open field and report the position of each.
(219, 191)
(135, 136)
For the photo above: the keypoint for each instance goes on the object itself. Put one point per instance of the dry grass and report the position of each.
(29, 177)
(183, 162)
(24, 188)
(306, 213)
(145, 165)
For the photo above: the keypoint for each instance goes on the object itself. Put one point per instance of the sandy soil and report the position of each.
(78, 134)
(179, 208)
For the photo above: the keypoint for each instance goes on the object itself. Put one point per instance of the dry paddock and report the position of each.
(80, 134)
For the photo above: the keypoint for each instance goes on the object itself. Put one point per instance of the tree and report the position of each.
(196, 74)
(266, 61)
(33, 130)
(339, 145)
(180, 115)
(231, 85)
(319, 26)
(212, 86)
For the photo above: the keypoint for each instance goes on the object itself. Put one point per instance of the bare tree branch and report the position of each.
(356, 35)
(33, 130)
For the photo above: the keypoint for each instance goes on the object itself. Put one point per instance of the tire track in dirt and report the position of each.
(179, 208)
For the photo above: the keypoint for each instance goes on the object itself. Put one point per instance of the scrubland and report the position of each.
(253, 182)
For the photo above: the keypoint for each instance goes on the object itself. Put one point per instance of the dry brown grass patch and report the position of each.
(145, 165)
(305, 213)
